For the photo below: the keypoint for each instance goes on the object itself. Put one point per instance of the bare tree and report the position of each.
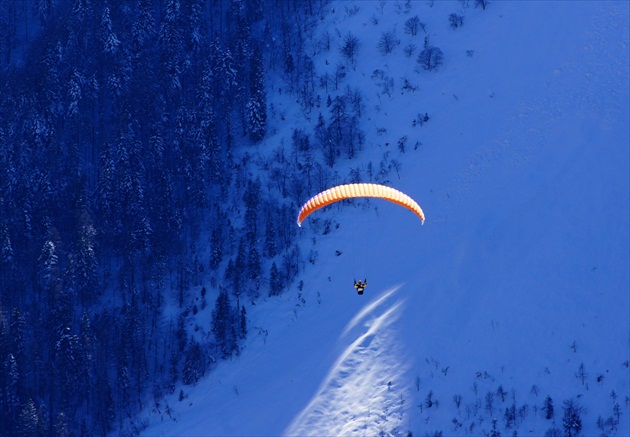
(482, 3)
(387, 42)
(456, 20)
(409, 50)
(412, 25)
(431, 58)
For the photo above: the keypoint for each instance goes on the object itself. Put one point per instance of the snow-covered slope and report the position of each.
(519, 276)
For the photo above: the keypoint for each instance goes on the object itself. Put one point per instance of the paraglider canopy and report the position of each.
(348, 191)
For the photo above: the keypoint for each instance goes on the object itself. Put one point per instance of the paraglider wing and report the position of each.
(348, 191)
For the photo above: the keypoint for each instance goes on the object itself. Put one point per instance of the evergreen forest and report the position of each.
(133, 195)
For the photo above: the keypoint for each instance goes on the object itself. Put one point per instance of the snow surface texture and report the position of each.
(520, 274)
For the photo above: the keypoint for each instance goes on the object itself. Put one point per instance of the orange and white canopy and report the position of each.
(348, 191)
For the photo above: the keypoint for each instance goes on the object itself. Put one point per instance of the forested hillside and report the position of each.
(132, 195)
(154, 155)
(507, 312)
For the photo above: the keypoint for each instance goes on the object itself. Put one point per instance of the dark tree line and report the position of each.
(122, 126)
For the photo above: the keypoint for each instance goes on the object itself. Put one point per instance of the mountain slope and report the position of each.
(519, 277)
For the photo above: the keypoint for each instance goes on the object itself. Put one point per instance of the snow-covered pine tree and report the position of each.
(222, 325)
(9, 400)
(257, 105)
(275, 280)
(571, 419)
(194, 365)
(28, 420)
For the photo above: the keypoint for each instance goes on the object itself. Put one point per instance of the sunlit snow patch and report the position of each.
(362, 392)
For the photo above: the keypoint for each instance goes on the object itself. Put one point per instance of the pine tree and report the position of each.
(172, 47)
(243, 323)
(105, 409)
(227, 77)
(67, 362)
(553, 432)
(17, 338)
(257, 106)
(257, 116)
(85, 263)
(275, 280)
(270, 238)
(108, 39)
(62, 427)
(581, 374)
(48, 262)
(7, 256)
(510, 417)
(180, 333)
(106, 196)
(194, 364)
(196, 26)
(143, 29)
(28, 419)
(240, 268)
(223, 325)
(571, 420)
(548, 408)
(495, 432)
(337, 132)
(482, 3)
(216, 247)
(456, 20)
(490, 403)
(350, 48)
(9, 399)
(251, 198)
(87, 348)
(253, 266)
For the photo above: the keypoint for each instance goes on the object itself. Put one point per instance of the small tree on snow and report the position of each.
(501, 393)
(548, 408)
(413, 24)
(581, 374)
(409, 50)
(553, 432)
(456, 20)
(430, 58)
(243, 323)
(490, 403)
(482, 3)
(495, 432)
(571, 421)
(350, 48)
(429, 401)
(388, 42)
(256, 116)
(510, 417)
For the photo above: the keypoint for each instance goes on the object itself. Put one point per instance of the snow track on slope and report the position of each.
(361, 394)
